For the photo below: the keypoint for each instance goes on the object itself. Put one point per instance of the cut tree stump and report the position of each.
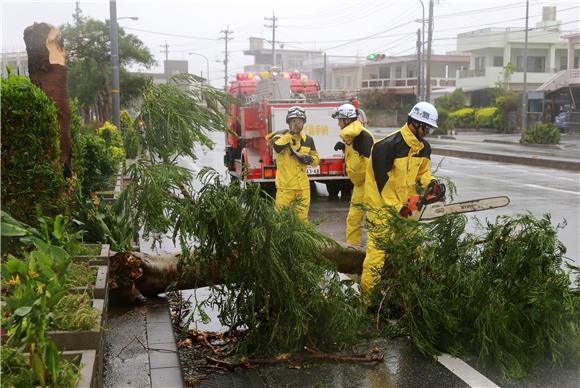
(47, 69)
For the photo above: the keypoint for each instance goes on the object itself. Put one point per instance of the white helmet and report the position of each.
(425, 113)
(296, 111)
(345, 111)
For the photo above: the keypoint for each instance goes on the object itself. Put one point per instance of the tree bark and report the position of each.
(135, 275)
(47, 69)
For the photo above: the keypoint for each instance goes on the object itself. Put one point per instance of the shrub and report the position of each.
(506, 103)
(541, 133)
(484, 117)
(110, 134)
(443, 122)
(451, 102)
(94, 163)
(32, 174)
(131, 138)
(463, 118)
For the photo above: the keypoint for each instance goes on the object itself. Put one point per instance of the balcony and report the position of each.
(385, 83)
(490, 76)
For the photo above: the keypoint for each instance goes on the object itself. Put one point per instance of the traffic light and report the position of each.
(375, 57)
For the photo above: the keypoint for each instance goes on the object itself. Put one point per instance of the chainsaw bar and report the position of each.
(438, 209)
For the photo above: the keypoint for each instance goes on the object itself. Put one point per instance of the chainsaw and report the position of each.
(430, 206)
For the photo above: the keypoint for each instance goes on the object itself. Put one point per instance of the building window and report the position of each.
(563, 63)
(411, 72)
(479, 63)
(535, 64)
(385, 72)
(498, 61)
(338, 83)
(349, 83)
(294, 63)
(398, 72)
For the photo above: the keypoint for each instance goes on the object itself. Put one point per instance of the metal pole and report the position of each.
(273, 40)
(422, 96)
(525, 91)
(324, 72)
(206, 62)
(116, 99)
(429, 38)
(419, 65)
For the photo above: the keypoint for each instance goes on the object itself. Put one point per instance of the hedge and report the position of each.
(484, 117)
(463, 118)
(541, 133)
(32, 174)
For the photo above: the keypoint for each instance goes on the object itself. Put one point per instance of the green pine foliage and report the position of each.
(502, 295)
(276, 281)
(32, 174)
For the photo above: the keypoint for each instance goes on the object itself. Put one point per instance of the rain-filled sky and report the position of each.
(339, 27)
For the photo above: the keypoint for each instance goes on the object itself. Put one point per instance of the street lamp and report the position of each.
(207, 65)
(114, 34)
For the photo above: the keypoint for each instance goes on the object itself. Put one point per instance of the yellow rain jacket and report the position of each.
(291, 179)
(397, 163)
(358, 144)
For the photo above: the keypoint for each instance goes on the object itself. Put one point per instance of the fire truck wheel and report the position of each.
(333, 189)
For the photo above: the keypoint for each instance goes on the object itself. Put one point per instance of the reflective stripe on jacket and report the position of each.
(358, 144)
(397, 163)
(290, 173)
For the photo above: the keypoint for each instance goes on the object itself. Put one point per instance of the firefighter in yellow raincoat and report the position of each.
(295, 151)
(358, 142)
(398, 162)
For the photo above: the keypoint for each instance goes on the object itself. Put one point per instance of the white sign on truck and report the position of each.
(319, 124)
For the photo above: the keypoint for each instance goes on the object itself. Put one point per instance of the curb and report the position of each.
(552, 146)
(536, 162)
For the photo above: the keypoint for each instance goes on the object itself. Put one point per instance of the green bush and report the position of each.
(443, 122)
(463, 118)
(484, 117)
(506, 103)
(541, 133)
(451, 102)
(131, 138)
(94, 164)
(32, 174)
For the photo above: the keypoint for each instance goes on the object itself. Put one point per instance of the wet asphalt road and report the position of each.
(537, 190)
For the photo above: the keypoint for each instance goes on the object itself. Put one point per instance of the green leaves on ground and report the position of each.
(503, 295)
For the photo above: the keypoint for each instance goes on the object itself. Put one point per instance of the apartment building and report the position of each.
(490, 50)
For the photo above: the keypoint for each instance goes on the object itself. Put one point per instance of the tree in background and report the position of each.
(88, 46)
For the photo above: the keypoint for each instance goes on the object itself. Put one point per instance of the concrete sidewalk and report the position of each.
(504, 148)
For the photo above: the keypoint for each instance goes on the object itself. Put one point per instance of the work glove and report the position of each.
(305, 159)
(437, 188)
(405, 212)
(339, 146)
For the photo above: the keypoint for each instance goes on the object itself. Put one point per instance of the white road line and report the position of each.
(504, 181)
(553, 189)
(465, 372)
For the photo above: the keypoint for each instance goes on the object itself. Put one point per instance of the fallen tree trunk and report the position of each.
(135, 275)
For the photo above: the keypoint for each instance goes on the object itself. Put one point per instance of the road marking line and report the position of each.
(465, 372)
(505, 181)
(553, 189)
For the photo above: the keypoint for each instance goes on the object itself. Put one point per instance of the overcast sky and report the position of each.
(341, 27)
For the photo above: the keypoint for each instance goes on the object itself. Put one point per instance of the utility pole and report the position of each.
(525, 88)
(429, 39)
(226, 38)
(324, 72)
(115, 97)
(419, 67)
(273, 27)
(165, 50)
(422, 95)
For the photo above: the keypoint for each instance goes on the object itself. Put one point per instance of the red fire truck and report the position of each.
(263, 103)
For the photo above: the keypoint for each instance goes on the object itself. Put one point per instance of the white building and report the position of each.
(18, 61)
(491, 49)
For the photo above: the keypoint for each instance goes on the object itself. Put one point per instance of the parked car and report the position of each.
(562, 120)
